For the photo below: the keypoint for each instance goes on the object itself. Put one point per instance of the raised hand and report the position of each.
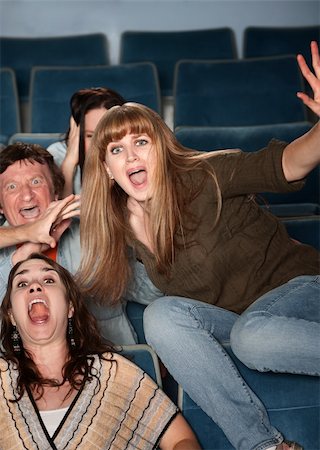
(70, 162)
(312, 78)
(56, 219)
(73, 142)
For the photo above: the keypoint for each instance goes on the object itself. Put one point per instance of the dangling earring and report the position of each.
(71, 333)
(16, 340)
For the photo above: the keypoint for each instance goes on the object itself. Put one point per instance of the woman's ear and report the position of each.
(71, 311)
(12, 318)
(108, 171)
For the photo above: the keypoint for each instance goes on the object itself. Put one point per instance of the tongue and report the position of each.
(39, 313)
(138, 177)
(30, 213)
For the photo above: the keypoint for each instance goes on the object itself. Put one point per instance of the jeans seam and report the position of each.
(292, 290)
(236, 372)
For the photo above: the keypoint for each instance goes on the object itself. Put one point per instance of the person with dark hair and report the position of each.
(30, 185)
(61, 385)
(87, 108)
(227, 268)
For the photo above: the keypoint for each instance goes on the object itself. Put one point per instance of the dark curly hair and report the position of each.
(88, 341)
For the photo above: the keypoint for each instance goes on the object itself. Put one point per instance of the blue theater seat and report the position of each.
(43, 139)
(145, 358)
(165, 48)
(255, 91)
(280, 40)
(21, 54)
(9, 105)
(52, 88)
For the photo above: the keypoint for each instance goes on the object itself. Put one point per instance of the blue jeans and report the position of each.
(187, 335)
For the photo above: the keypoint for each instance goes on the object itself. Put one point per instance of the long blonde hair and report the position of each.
(105, 231)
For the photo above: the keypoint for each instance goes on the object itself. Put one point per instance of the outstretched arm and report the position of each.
(303, 154)
(179, 436)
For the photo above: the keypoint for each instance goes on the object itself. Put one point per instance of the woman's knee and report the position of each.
(159, 319)
(163, 317)
(248, 341)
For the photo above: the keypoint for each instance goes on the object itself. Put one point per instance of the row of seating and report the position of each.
(222, 103)
(163, 48)
(245, 92)
(49, 112)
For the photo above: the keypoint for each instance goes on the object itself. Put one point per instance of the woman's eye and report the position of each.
(22, 284)
(141, 142)
(116, 150)
(35, 181)
(49, 281)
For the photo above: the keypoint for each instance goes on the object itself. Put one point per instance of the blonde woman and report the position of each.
(226, 267)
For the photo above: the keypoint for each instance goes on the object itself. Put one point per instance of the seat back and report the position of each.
(305, 230)
(52, 88)
(144, 357)
(290, 400)
(21, 54)
(272, 41)
(247, 138)
(43, 139)
(165, 48)
(244, 92)
(9, 105)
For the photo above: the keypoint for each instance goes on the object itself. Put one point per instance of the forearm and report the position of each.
(302, 155)
(13, 235)
(187, 444)
(68, 169)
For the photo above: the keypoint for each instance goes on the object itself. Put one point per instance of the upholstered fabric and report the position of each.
(281, 40)
(305, 229)
(44, 139)
(247, 138)
(243, 92)
(21, 54)
(9, 104)
(165, 48)
(51, 89)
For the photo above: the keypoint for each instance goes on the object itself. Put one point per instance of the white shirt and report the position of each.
(52, 419)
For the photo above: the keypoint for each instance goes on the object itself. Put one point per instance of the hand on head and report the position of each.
(73, 142)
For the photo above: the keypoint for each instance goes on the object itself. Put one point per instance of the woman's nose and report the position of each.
(35, 287)
(131, 156)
